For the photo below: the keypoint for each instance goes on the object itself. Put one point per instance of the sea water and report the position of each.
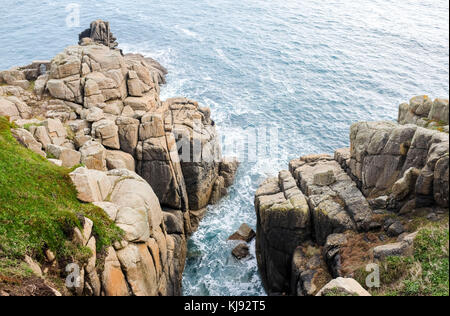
(304, 70)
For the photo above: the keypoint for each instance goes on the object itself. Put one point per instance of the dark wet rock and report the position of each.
(241, 251)
(309, 272)
(244, 233)
(331, 253)
(395, 229)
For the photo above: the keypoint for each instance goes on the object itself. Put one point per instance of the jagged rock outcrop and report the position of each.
(101, 108)
(424, 112)
(335, 201)
(383, 153)
(149, 261)
(99, 32)
(106, 101)
(398, 167)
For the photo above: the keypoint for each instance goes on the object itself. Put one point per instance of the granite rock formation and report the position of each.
(151, 164)
(308, 214)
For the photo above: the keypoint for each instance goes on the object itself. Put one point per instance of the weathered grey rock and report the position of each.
(99, 32)
(405, 185)
(331, 253)
(440, 182)
(337, 207)
(324, 177)
(439, 111)
(404, 247)
(395, 229)
(380, 202)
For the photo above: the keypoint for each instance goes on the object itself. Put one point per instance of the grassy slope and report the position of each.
(39, 207)
(426, 273)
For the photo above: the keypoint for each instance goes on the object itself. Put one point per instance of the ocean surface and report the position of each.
(298, 72)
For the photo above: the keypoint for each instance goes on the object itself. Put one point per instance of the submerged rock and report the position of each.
(241, 251)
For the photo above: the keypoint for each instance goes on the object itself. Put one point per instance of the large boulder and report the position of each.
(68, 157)
(343, 287)
(106, 132)
(14, 108)
(116, 159)
(244, 233)
(92, 185)
(26, 139)
(93, 155)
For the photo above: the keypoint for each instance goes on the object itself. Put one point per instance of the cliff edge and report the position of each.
(150, 165)
(330, 216)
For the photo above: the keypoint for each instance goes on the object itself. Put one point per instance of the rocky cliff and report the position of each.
(324, 204)
(152, 165)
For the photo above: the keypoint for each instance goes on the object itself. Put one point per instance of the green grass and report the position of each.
(39, 207)
(31, 87)
(426, 273)
(29, 125)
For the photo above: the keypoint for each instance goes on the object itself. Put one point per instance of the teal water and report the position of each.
(307, 69)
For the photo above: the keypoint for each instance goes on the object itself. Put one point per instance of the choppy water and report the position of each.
(306, 68)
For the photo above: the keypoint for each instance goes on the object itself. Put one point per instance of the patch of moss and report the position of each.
(29, 125)
(70, 133)
(337, 292)
(31, 87)
(39, 206)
